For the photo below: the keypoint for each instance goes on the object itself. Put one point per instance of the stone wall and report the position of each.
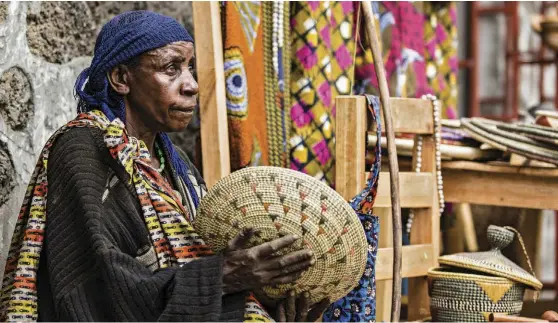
(43, 47)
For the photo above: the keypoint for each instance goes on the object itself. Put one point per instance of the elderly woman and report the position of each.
(105, 231)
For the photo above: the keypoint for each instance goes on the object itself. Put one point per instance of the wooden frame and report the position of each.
(513, 186)
(211, 79)
(417, 190)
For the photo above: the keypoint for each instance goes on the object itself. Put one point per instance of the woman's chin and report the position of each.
(179, 120)
(177, 125)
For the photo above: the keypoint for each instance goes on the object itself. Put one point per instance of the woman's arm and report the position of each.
(91, 278)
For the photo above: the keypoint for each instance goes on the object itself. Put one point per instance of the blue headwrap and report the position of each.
(121, 39)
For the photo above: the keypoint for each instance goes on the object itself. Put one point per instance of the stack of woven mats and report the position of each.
(528, 140)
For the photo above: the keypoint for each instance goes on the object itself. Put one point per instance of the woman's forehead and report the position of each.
(181, 48)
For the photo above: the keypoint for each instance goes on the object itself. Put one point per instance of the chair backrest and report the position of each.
(417, 191)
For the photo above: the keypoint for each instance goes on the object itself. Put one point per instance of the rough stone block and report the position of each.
(3, 11)
(16, 98)
(61, 31)
(7, 174)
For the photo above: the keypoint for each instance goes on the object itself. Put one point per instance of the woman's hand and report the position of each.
(550, 316)
(253, 268)
(293, 310)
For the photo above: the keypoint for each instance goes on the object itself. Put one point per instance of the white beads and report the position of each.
(277, 34)
(437, 144)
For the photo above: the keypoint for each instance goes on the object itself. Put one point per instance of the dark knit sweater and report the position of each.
(93, 268)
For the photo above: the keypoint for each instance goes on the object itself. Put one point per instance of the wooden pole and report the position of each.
(393, 165)
(211, 76)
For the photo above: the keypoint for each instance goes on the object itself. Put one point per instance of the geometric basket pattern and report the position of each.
(465, 297)
(279, 201)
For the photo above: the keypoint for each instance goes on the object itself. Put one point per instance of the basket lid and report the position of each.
(493, 261)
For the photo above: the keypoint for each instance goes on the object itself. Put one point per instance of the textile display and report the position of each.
(322, 45)
(360, 304)
(257, 68)
(402, 38)
(242, 43)
(419, 48)
(169, 223)
(440, 32)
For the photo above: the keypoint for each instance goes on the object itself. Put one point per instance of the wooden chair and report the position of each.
(417, 191)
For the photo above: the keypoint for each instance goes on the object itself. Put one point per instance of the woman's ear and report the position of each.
(118, 79)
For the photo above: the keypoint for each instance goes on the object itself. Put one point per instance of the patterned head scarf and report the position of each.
(121, 39)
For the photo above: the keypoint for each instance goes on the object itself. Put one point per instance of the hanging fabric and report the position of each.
(322, 46)
(360, 304)
(419, 47)
(440, 32)
(257, 65)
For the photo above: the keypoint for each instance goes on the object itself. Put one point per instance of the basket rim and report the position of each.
(537, 285)
(436, 273)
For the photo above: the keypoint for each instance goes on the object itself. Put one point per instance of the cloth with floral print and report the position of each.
(360, 304)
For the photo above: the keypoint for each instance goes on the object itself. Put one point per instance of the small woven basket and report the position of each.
(458, 296)
(470, 286)
(277, 202)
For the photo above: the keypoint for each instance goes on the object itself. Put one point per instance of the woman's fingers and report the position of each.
(239, 242)
(291, 306)
(290, 259)
(281, 316)
(297, 268)
(550, 316)
(318, 310)
(285, 279)
(303, 307)
(269, 248)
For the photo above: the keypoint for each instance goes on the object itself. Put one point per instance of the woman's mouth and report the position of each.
(186, 111)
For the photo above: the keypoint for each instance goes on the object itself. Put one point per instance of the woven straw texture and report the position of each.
(493, 261)
(509, 138)
(277, 202)
(465, 297)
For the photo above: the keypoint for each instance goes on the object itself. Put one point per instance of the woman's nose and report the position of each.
(189, 85)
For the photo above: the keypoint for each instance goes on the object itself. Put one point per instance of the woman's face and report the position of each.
(162, 89)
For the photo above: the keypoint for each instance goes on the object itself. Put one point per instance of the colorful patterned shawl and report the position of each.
(168, 221)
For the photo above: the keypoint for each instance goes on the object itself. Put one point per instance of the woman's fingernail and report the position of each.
(313, 261)
(296, 237)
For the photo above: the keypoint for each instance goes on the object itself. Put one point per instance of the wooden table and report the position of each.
(513, 186)
(502, 185)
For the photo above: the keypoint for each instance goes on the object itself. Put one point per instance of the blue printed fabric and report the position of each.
(360, 304)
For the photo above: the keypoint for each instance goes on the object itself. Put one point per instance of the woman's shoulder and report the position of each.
(78, 145)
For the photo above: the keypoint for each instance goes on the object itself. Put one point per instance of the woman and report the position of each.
(104, 233)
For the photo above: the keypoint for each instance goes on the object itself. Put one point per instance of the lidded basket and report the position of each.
(468, 287)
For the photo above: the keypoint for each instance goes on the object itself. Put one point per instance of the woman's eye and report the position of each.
(191, 68)
(172, 69)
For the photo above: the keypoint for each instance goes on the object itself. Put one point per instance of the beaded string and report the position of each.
(161, 157)
(437, 142)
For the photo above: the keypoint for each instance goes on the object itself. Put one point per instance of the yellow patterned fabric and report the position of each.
(322, 45)
(440, 32)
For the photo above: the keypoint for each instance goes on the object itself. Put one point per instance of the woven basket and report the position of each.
(470, 286)
(277, 202)
(458, 296)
